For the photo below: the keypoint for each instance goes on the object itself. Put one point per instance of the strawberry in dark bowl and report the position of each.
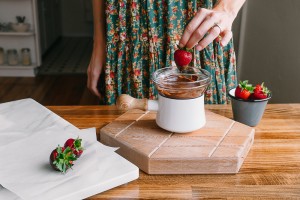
(249, 102)
(243, 90)
(261, 92)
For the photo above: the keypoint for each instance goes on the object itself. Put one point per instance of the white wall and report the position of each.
(271, 47)
(76, 18)
(236, 31)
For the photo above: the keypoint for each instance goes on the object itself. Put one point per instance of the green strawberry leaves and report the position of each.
(265, 90)
(246, 85)
(64, 159)
(77, 144)
(253, 92)
(185, 49)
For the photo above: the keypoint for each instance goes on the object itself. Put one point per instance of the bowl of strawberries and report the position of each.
(249, 102)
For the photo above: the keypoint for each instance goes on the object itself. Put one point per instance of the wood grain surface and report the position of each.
(270, 171)
(48, 89)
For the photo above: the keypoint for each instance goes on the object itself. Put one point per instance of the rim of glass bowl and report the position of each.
(203, 82)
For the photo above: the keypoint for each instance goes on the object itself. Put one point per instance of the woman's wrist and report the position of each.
(231, 7)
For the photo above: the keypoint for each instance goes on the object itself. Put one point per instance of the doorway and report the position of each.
(66, 30)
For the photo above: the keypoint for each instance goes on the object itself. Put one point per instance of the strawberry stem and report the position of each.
(185, 49)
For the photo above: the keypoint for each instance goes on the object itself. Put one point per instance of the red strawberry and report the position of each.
(78, 153)
(243, 90)
(75, 146)
(61, 159)
(69, 143)
(182, 57)
(259, 87)
(260, 92)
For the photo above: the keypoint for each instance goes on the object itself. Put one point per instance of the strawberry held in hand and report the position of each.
(183, 57)
(244, 90)
(61, 159)
(260, 92)
(75, 146)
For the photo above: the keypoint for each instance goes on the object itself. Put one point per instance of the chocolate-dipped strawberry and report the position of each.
(75, 146)
(61, 159)
(182, 58)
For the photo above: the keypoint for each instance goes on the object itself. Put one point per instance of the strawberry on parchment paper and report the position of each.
(61, 159)
(75, 145)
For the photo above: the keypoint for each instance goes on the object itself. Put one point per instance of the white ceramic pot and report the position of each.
(20, 27)
(181, 116)
(175, 115)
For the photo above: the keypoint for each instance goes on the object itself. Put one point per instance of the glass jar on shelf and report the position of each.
(25, 56)
(12, 57)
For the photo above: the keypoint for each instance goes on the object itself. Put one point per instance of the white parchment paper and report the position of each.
(25, 168)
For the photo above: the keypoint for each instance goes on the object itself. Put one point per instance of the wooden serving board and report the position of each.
(220, 147)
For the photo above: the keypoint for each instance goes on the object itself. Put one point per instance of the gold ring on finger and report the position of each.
(217, 25)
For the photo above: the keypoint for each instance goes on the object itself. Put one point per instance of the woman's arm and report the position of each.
(207, 25)
(99, 50)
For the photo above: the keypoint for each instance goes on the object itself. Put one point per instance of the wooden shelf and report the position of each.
(5, 66)
(12, 39)
(11, 33)
(18, 70)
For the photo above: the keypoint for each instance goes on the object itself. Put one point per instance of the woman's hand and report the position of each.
(95, 69)
(207, 25)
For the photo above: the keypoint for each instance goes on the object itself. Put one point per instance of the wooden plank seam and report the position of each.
(131, 123)
(164, 141)
(223, 137)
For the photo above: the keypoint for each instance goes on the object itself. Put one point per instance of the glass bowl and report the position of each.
(188, 84)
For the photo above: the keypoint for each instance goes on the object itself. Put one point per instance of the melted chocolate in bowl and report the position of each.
(188, 84)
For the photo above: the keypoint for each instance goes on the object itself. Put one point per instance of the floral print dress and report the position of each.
(142, 36)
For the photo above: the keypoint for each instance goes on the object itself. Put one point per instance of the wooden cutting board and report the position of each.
(220, 147)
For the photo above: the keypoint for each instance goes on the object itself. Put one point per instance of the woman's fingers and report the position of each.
(210, 36)
(202, 31)
(226, 36)
(93, 79)
(205, 27)
(192, 26)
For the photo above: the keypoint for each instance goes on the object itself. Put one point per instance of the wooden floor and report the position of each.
(48, 90)
(68, 55)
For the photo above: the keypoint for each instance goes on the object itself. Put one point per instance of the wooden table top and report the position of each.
(271, 169)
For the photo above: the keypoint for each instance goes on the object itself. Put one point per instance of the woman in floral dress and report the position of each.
(133, 38)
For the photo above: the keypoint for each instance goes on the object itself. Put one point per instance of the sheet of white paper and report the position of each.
(34, 178)
(88, 134)
(85, 134)
(113, 171)
(5, 194)
(27, 114)
(22, 119)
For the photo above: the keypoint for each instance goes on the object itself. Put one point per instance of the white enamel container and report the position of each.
(180, 105)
